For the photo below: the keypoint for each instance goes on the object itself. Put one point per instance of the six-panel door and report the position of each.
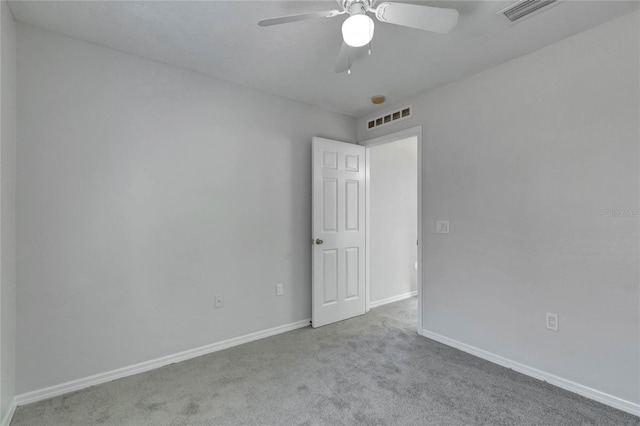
(338, 231)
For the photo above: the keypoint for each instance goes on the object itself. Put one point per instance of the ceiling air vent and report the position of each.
(390, 117)
(524, 8)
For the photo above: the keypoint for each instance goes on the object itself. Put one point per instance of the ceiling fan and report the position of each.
(357, 29)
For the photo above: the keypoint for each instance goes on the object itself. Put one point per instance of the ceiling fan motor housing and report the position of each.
(356, 7)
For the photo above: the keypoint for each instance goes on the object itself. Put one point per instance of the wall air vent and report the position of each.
(524, 8)
(390, 117)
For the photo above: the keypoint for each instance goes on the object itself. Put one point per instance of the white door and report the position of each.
(338, 231)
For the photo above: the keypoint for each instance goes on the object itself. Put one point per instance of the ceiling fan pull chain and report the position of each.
(370, 41)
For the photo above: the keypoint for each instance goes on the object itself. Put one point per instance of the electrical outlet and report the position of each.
(219, 301)
(442, 226)
(415, 266)
(280, 289)
(552, 321)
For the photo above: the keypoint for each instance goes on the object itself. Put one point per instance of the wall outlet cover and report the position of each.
(442, 226)
(552, 321)
(280, 289)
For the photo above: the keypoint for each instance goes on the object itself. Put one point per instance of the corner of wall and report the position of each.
(7, 212)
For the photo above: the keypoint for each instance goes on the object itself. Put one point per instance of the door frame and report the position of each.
(393, 137)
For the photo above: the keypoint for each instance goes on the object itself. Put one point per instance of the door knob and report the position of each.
(319, 241)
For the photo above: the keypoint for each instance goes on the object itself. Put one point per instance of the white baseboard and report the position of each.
(6, 421)
(392, 299)
(596, 395)
(50, 392)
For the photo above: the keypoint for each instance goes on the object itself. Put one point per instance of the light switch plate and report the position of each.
(442, 226)
(219, 301)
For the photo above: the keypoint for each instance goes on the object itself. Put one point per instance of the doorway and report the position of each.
(393, 219)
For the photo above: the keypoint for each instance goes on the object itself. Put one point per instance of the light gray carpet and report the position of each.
(370, 370)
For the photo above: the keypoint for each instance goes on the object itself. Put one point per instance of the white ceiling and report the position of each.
(297, 60)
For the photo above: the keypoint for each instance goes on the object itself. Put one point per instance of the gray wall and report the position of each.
(7, 209)
(525, 159)
(393, 180)
(145, 190)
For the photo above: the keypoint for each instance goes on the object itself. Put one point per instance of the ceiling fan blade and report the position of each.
(301, 17)
(344, 60)
(435, 19)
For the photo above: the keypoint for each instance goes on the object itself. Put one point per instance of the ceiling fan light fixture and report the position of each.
(357, 30)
